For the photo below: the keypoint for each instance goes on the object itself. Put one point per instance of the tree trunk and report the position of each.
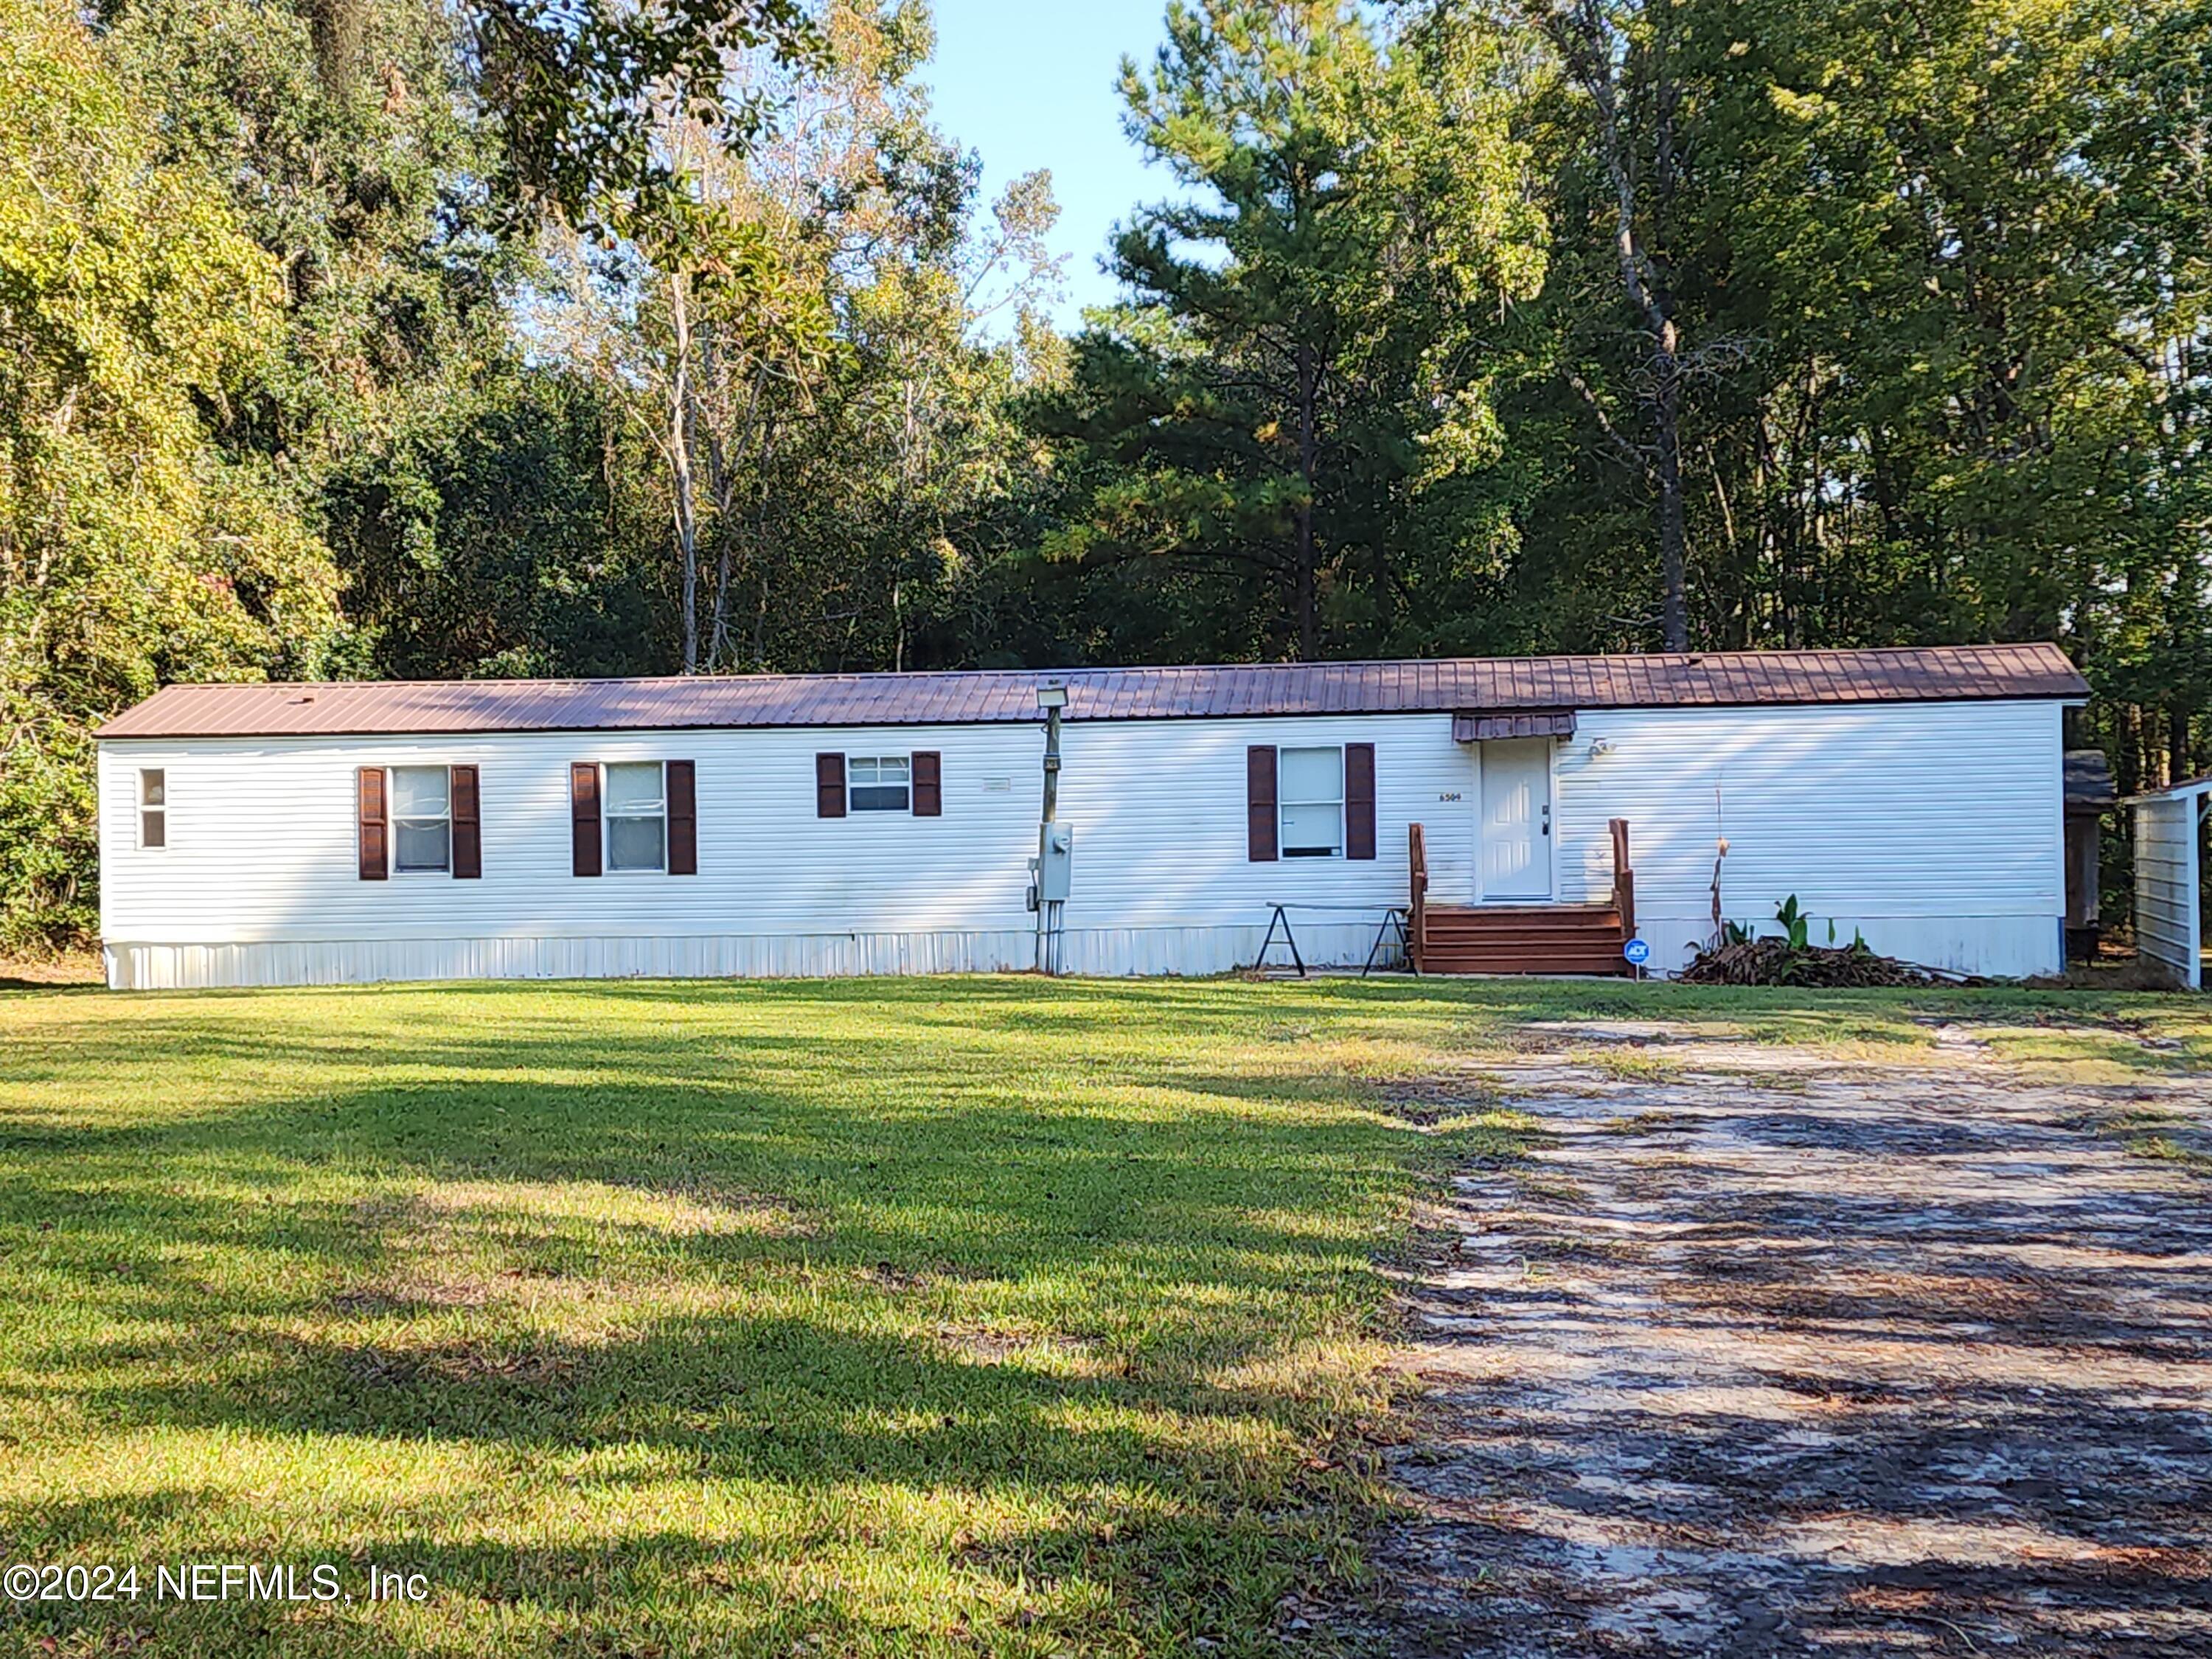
(910, 447)
(1585, 41)
(1307, 598)
(679, 465)
(1666, 417)
(718, 630)
(724, 480)
(760, 554)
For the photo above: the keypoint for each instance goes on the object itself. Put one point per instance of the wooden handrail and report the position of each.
(1417, 866)
(1624, 878)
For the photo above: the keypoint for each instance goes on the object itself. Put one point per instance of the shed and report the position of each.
(2090, 796)
(2169, 876)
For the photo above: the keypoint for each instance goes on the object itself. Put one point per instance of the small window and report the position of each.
(1312, 803)
(637, 815)
(153, 807)
(880, 784)
(422, 820)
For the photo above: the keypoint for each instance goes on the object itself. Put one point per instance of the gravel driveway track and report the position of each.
(1763, 1353)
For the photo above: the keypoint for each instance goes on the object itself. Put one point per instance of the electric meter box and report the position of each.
(1055, 860)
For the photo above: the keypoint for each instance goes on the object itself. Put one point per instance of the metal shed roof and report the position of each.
(2089, 778)
(2182, 791)
(1469, 684)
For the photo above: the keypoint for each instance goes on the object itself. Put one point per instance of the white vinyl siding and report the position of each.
(1935, 827)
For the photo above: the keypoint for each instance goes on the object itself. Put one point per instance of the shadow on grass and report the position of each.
(819, 1243)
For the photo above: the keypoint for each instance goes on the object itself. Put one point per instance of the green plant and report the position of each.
(1795, 924)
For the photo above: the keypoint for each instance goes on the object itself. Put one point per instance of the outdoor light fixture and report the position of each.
(1053, 694)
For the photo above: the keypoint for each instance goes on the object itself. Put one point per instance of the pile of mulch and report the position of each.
(1777, 962)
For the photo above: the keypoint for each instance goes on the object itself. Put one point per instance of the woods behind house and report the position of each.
(413, 338)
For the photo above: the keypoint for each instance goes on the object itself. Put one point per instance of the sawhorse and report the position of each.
(1394, 920)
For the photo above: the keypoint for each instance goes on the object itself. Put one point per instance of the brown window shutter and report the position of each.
(1259, 803)
(468, 831)
(375, 824)
(928, 785)
(583, 818)
(683, 818)
(828, 785)
(1360, 800)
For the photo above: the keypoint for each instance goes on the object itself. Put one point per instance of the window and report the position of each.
(637, 815)
(153, 807)
(1312, 796)
(881, 784)
(422, 820)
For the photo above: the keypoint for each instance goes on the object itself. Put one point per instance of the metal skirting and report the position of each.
(1997, 945)
(1117, 952)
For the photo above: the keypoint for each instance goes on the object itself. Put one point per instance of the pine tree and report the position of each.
(1291, 373)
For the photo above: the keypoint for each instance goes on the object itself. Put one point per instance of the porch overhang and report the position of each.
(1473, 726)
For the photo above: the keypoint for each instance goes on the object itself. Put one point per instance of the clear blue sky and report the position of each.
(1031, 83)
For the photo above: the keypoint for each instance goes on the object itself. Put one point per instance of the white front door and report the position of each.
(1516, 820)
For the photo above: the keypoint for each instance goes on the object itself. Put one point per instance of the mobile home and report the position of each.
(1520, 814)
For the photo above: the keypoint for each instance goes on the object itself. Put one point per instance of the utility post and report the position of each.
(1056, 841)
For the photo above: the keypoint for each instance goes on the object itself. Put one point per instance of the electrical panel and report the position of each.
(1055, 860)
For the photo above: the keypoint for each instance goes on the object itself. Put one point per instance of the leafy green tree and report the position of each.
(1956, 259)
(394, 308)
(805, 361)
(575, 88)
(132, 549)
(497, 534)
(1641, 104)
(481, 505)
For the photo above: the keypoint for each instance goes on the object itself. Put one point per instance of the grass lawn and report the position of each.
(650, 1318)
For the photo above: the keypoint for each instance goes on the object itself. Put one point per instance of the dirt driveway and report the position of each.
(1766, 1354)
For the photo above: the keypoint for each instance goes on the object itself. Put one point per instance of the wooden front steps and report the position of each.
(1532, 938)
(1521, 939)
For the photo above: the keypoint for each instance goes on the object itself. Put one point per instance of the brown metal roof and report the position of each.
(1478, 685)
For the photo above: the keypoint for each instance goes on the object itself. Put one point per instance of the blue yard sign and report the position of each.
(1637, 952)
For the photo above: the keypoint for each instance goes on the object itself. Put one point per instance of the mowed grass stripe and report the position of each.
(891, 1316)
